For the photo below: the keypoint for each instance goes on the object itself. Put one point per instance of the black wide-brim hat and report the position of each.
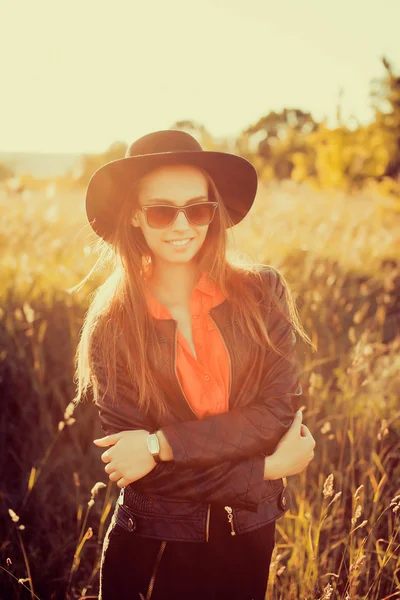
(235, 177)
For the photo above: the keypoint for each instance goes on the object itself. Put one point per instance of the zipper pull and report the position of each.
(230, 519)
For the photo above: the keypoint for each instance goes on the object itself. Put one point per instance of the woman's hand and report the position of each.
(128, 459)
(293, 453)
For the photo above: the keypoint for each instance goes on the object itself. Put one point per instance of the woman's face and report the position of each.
(177, 185)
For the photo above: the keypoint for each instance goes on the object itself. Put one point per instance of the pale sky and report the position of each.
(80, 74)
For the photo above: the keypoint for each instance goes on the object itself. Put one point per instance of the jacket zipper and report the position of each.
(208, 522)
(153, 576)
(229, 356)
(176, 371)
(230, 519)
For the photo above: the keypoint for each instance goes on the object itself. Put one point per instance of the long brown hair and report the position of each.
(118, 313)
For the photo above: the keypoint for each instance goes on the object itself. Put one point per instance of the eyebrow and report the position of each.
(164, 201)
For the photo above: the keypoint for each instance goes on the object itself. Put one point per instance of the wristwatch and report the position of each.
(154, 445)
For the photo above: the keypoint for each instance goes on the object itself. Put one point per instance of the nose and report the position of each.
(181, 222)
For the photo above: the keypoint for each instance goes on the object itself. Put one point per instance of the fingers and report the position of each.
(307, 433)
(296, 423)
(108, 440)
(113, 473)
(105, 457)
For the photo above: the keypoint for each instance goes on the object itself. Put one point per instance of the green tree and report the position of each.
(273, 140)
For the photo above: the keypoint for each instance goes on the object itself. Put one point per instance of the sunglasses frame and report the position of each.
(178, 210)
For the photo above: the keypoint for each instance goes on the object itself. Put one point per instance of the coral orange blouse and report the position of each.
(205, 380)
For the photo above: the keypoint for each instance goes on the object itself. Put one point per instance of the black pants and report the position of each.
(225, 568)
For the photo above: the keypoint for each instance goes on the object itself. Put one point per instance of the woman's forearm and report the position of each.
(271, 469)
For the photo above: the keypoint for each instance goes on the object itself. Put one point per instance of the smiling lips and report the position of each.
(179, 242)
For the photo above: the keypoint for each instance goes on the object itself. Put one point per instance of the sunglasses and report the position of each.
(159, 216)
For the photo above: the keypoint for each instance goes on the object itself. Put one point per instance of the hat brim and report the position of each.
(234, 176)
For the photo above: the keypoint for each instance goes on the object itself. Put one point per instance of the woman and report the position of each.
(192, 363)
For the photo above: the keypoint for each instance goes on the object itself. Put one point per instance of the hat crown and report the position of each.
(168, 140)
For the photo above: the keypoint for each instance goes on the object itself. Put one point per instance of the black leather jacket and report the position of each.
(218, 459)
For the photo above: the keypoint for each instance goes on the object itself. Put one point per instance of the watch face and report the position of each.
(153, 443)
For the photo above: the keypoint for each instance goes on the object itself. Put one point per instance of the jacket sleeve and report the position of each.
(237, 483)
(257, 427)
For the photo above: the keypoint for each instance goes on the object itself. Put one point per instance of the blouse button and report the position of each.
(206, 377)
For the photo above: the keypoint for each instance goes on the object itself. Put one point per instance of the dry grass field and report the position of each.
(341, 255)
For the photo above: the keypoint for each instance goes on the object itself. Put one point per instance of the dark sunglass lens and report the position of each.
(163, 216)
(160, 216)
(200, 214)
